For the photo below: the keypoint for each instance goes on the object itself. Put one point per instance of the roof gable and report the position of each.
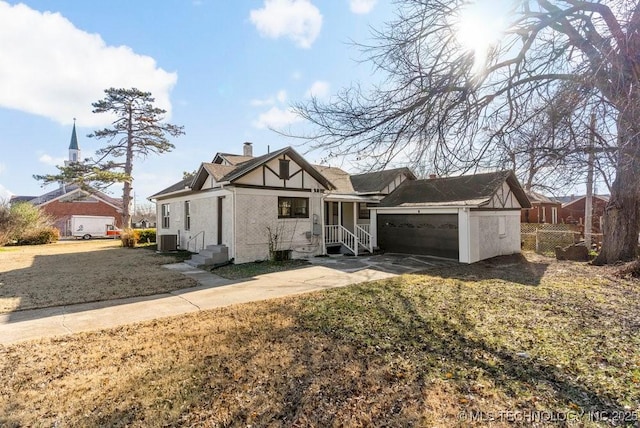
(230, 159)
(471, 190)
(603, 198)
(538, 198)
(232, 173)
(69, 190)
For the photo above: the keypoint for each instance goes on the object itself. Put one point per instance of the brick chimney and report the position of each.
(247, 149)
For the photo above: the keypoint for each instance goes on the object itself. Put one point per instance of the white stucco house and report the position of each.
(247, 205)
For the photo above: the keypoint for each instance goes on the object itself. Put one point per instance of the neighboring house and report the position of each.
(251, 204)
(543, 209)
(143, 221)
(468, 218)
(573, 210)
(68, 200)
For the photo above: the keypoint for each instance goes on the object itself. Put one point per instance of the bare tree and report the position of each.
(437, 102)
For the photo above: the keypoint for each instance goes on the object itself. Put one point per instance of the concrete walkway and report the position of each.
(213, 292)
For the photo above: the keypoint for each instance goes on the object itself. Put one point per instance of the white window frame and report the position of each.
(166, 215)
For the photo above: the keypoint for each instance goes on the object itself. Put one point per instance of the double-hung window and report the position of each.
(187, 215)
(165, 216)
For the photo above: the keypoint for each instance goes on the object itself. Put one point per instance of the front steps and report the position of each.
(210, 256)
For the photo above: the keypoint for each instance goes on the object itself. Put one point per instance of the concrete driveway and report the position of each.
(213, 292)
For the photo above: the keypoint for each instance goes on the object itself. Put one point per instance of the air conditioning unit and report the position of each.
(168, 243)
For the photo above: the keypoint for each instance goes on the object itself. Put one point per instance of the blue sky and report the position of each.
(225, 70)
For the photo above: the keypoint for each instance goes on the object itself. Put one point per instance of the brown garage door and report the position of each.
(428, 234)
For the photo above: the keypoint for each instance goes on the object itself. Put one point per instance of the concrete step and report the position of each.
(212, 255)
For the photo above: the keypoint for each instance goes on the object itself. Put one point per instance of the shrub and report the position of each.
(130, 237)
(39, 236)
(5, 224)
(147, 235)
(26, 224)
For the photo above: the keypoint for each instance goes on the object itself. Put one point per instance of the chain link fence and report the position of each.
(544, 238)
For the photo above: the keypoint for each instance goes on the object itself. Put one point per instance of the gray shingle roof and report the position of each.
(375, 182)
(180, 185)
(473, 190)
(69, 188)
(15, 199)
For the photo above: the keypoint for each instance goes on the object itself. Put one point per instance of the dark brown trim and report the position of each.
(289, 189)
(272, 171)
(264, 176)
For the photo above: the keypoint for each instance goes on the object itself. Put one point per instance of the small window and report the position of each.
(363, 210)
(187, 215)
(293, 207)
(284, 169)
(502, 226)
(165, 216)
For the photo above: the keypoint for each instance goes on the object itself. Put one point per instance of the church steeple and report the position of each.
(74, 150)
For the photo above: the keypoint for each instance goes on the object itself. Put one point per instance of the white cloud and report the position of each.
(319, 89)
(361, 7)
(51, 68)
(50, 160)
(276, 118)
(299, 20)
(280, 96)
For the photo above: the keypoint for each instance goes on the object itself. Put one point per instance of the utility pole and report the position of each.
(588, 203)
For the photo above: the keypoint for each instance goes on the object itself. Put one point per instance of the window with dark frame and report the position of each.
(363, 210)
(284, 169)
(293, 207)
(187, 215)
(165, 216)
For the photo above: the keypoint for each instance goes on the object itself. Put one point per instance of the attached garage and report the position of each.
(427, 234)
(467, 218)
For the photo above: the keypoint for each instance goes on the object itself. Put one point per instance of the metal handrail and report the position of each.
(193, 238)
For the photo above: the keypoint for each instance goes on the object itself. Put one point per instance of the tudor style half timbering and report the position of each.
(251, 204)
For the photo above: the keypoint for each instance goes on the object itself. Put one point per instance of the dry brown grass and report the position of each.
(512, 336)
(81, 271)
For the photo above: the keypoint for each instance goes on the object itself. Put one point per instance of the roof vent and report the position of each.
(247, 149)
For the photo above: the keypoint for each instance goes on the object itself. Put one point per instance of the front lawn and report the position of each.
(500, 343)
(69, 272)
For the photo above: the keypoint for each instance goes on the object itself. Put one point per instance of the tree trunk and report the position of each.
(622, 213)
(128, 169)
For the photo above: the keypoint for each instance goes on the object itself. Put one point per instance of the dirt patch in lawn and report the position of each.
(70, 272)
(504, 343)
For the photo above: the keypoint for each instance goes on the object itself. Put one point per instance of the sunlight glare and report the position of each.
(479, 27)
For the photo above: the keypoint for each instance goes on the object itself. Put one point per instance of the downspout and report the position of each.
(233, 220)
(322, 225)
